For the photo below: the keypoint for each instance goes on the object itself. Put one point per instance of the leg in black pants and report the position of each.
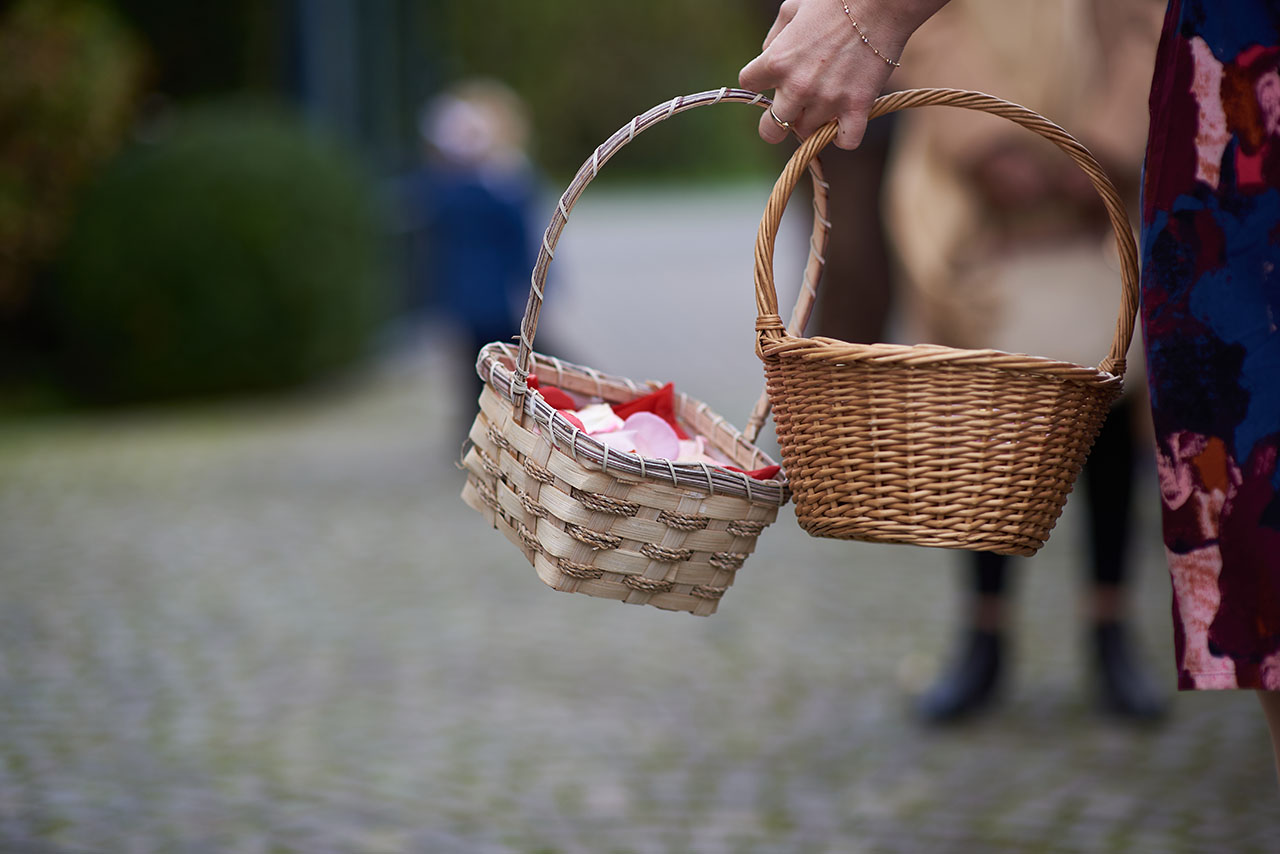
(970, 682)
(1123, 688)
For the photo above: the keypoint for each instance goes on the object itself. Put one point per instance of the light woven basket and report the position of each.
(930, 445)
(596, 521)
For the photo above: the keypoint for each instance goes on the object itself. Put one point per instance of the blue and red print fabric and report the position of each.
(1210, 308)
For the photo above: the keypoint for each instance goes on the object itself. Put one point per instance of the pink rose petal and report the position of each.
(619, 440)
(654, 437)
(696, 450)
(599, 418)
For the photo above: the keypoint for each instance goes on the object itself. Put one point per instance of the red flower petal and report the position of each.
(661, 403)
(766, 473)
(573, 419)
(557, 398)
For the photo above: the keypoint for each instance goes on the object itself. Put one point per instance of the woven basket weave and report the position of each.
(596, 521)
(929, 445)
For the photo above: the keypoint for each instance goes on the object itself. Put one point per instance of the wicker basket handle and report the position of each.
(768, 325)
(588, 171)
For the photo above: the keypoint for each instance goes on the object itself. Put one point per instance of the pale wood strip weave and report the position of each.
(665, 555)
(729, 519)
(700, 600)
(493, 365)
(705, 539)
(552, 540)
(500, 490)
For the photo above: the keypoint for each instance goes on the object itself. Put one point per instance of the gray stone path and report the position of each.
(274, 628)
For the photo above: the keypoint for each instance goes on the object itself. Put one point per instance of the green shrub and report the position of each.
(71, 77)
(237, 252)
(586, 68)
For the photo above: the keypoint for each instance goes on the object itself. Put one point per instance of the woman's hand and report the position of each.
(819, 67)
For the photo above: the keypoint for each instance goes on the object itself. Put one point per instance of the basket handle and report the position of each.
(588, 171)
(769, 326)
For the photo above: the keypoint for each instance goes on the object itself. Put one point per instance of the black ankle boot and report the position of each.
(968, 684)
(1123, 688)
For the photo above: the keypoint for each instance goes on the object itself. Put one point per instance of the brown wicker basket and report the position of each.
(929, 445)
(600, 522)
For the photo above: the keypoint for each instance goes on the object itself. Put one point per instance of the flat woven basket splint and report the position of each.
(929, 445)
(597, 521)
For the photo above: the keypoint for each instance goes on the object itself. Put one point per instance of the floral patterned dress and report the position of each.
(1210, 308)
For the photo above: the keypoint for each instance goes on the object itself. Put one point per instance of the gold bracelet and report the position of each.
(863, 36)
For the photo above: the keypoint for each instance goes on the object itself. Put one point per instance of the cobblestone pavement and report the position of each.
(274, 628)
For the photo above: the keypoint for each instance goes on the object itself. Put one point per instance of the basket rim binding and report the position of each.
(775, 344)
(492, 367)
(821, 349)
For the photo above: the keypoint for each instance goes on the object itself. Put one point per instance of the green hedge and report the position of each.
(71, 77)
(586, 68)
(236, 252)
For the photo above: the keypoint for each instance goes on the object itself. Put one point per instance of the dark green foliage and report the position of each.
(67, 94)
(587, 68)
(236, 252)
(201, 49)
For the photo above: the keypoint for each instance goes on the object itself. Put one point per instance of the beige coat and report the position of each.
(1037, 274)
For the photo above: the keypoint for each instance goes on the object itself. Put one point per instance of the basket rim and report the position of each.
(922, 356)
(496, 367)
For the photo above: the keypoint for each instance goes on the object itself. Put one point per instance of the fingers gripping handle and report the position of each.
(588, 172)
(769, 328)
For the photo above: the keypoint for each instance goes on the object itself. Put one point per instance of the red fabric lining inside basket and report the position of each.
(661, 403)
